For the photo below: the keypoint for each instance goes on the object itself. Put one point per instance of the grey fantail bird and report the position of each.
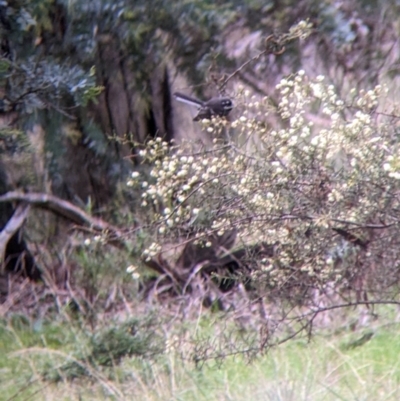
(216, 106)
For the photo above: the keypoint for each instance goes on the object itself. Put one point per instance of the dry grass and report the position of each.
(330, 367)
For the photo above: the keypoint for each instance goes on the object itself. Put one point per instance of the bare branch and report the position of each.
(67, 210)
(12, 226)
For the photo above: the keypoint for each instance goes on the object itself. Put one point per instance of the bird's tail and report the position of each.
(188, 100)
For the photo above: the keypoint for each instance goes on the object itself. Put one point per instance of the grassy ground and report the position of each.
(350, 365)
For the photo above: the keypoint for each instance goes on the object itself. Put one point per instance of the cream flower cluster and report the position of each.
(330, 160)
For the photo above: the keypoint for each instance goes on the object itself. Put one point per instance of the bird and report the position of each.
(216, 106)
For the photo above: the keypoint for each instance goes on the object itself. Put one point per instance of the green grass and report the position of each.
(324, 369)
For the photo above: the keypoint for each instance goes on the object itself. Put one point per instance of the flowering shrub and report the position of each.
(321, 190)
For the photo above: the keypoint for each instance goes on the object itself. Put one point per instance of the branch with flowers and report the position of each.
(325, 199)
